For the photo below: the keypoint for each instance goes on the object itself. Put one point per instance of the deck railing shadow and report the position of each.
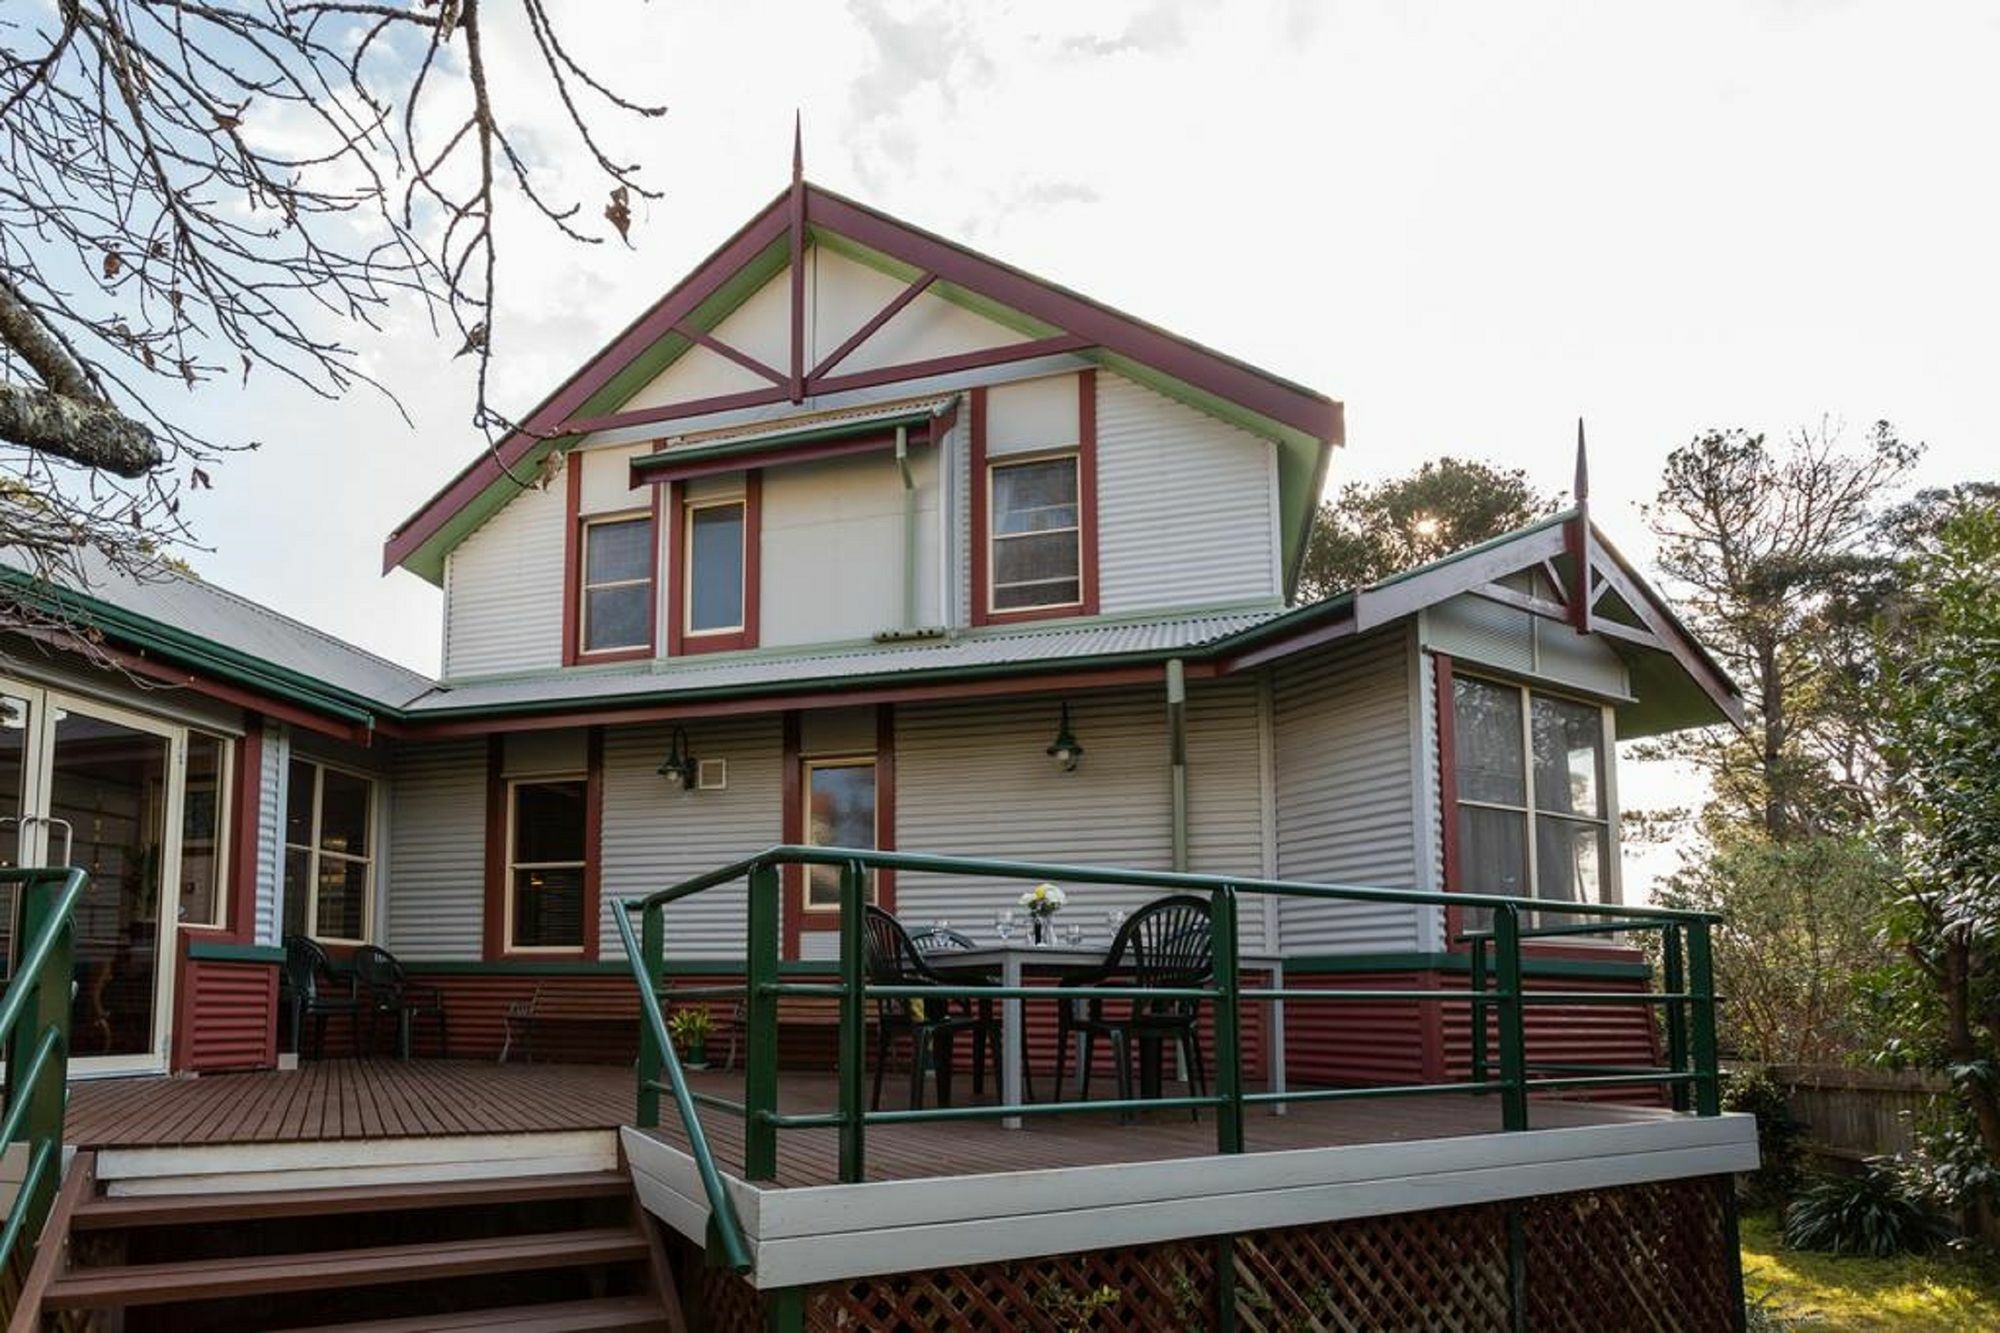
(1495, 991)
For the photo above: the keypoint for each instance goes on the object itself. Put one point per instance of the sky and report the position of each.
(1472, 223)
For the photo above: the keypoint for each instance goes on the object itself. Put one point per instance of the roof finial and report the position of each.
(798, 147)
(1582, 466)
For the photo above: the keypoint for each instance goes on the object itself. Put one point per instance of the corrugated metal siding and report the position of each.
(270, 828)
(1225, 787)
(1346, 792)
(436, 884)
(973, 780)
(1602, 1034)
(1184, 503)
(234, 1015)
(504, 589)
(656, 834)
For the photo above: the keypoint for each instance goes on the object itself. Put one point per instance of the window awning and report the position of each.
(798, 440)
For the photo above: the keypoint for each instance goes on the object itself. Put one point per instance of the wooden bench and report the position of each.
(565, 1006)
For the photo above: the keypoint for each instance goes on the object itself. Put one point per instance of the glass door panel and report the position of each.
(15, 713)
(108, 782)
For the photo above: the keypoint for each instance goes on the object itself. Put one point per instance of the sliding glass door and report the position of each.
(89, 784)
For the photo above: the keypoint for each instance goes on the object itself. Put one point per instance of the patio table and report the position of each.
(1015, 963)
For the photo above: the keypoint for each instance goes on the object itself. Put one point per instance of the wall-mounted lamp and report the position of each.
(680, 763)
(1065, 750)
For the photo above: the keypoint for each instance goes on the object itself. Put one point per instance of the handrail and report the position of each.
(34, 1028)
(1497, 990)
(657, 1050)
(796, 854)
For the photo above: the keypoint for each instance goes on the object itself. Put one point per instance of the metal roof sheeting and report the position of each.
(970, 650)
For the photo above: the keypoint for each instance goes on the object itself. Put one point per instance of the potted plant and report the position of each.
(689, 1028)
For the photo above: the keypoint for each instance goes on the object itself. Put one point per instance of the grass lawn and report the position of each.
(1814, 1291)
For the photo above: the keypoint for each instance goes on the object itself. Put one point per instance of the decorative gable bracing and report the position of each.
(819, 300)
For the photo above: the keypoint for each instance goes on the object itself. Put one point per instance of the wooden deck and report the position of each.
(977, 1147)
(387, 1099)
(349, 1099)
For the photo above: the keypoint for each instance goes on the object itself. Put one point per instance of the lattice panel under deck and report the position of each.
(1445, 1269)
(1643, 1257)
(1139, 1289)
(1671, 1270)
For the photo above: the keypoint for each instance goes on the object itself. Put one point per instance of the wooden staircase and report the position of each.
(526, 1254)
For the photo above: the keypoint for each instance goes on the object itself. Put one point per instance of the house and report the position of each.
(859, 539)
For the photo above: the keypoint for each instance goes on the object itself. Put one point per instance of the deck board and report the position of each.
(373, 1100)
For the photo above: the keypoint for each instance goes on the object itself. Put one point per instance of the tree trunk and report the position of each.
(1771, 706)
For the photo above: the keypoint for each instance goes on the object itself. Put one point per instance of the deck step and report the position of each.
(622, 1312)
(211, 1279)
(100, 1214)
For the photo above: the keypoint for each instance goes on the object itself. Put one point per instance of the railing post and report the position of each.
(760, 1037)
(1675, 980)
(1701, 985)
(853, 976)
(49, 1008)
(1513, 1035)
(1478, 1033)
(652, 950)
(1228, 1024)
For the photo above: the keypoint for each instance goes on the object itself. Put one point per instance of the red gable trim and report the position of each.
(761, 231)
(1083, 322)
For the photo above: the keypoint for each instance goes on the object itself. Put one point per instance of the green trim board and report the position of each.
(222, 951)
(575, 967)
(1345, 964)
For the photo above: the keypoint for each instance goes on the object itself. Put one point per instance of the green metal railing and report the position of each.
(1496, 995)
(34, 1025)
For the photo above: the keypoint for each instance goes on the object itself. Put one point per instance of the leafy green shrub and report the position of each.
(1876, 1213)
(1781, 1135)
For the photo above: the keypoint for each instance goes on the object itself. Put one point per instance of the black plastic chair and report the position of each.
(931, 1025)
(393, 996)
(313, 990)
(1167, 944)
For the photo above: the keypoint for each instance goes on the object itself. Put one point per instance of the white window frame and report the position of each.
(994, 536)
(810, 766)
(320, 768)
(585, 587)
(514, 785)
(688, 508)
(1614, 891)
(225, 826)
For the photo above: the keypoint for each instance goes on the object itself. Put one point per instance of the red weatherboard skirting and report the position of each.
(1412, 1041)
(679, 641)
(1086, 500)
(228, 1015)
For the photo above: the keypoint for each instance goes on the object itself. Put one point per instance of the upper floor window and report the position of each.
(546, 863)
(1037, 535)
(1532, 810)
(617, 610)
(329, 853)
(713, 567)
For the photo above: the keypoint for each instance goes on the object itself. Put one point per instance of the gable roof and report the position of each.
(1305, 425)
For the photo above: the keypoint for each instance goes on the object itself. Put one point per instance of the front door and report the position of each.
(84, 783)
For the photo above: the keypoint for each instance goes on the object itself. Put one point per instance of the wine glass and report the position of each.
(1113, 919)
(1073, 934)
(1003, 924)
